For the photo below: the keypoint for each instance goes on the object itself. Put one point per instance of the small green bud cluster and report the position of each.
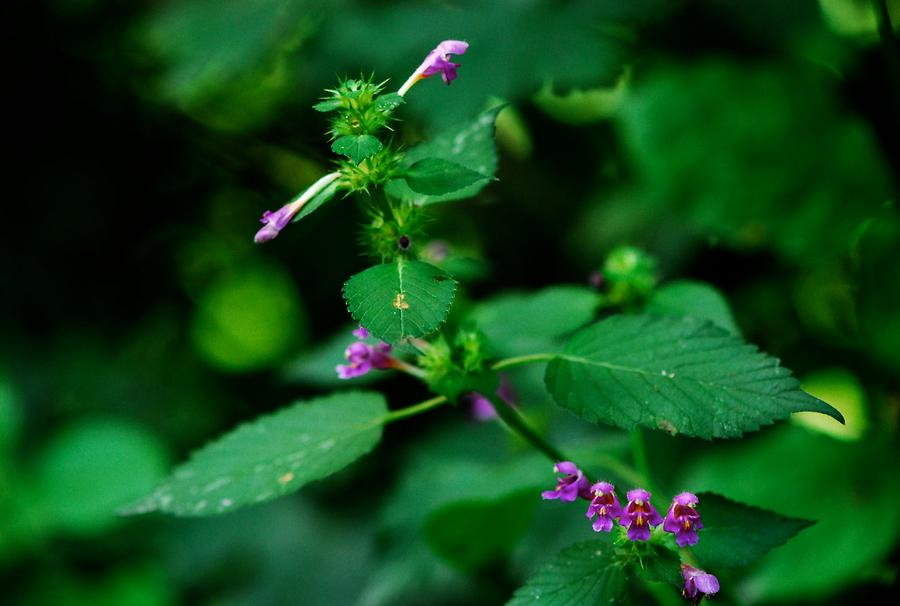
(629, 275)
(453, 369)
(360, 112)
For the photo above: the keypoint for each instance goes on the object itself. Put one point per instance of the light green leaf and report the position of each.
(357, 147)
(470, 145)
(688, 298)
(735, 534)
(435, 177)
(584, 573)
(328, 105)
(389, 102)
(681, 375)
(522, 323)
(91, 467)
(395, 301)
(316, 201)
(272, 456)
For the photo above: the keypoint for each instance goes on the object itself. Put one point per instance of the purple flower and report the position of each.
(698, 583)
(571, 485)
(604, 505)
(274, 222)
(482, 409)
(437, 61)
(683, 519)
(639, 515)
(363, 357)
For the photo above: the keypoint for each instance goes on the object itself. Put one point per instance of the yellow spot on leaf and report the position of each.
(286, 478)
(400, 301)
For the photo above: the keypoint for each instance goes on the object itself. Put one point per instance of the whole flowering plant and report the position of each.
(607, 354)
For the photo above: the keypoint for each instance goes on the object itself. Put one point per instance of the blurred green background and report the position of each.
(752, 145)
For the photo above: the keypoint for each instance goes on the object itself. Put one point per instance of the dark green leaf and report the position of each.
(398, 300)
(389, 102)
(737, 535)
(271, 456)
(682, 375)
(470, 145)
(517, 324)
(474, 534)
(687, 298)
(584, 573)
(357, 147)
(435, 177)
(318, 200)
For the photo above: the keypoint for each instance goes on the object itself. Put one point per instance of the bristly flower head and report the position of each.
(274, 222)
(698, 583)
(605, 505)
(363, 357)
(639, 515)
(569, 486)
(683, 519)
(437, 61)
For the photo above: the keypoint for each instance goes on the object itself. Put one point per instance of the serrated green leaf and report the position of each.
(389, 102)
(317, 201)
(697, 299)
(357, 147)
(271, 456)
(584, 573)
(736, 535)
(435, 177)
(470, 145)
(328, 105)
(681, 375)
(523, 323)
(400, 300)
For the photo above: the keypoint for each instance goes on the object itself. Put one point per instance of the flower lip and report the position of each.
(569, 486)
(437, 61)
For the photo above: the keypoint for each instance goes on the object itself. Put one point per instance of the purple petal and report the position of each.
(638, 494)
(603, 524)
(481, 408)
(639, 533)
(686, 499)
(361, 333)
(686, 537)
(566, 467)
(452, 47)
(707, 583)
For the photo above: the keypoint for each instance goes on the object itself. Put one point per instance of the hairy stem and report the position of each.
(415, 409)
(520, 360)
(516, 422)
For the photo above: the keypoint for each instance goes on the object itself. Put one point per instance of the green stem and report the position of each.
(415, 409)
(520, 360)
(639, 453)
(515, 421)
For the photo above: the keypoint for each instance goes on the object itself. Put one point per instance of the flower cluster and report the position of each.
(363, 357)
(638, 516)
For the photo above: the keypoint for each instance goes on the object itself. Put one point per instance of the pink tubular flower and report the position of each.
(604, 505)
(363, 357)
(571, 485)
(274, 222)
(698, 583)
(437, 61)
(683, 519)
(639, 515)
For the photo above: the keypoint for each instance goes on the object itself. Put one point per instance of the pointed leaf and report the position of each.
(584, 573)
(328, 105)
(357, 147)
(434, 176)
(395, 301)
(271, 456)
(736, 535)
(470, 145)
(682, 375)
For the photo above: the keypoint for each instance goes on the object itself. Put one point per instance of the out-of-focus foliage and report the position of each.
(751, 148)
